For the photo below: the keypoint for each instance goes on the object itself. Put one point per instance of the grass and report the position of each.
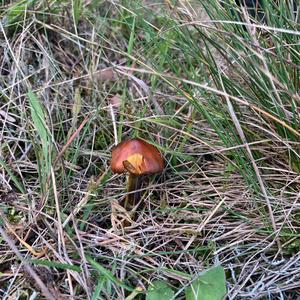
(216, 90)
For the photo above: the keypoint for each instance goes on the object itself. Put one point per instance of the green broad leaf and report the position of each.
(210, 285)
(160, 290)
(38, 116)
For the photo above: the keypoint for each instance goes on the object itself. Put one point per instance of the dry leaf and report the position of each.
(104, 75)
(116, 101)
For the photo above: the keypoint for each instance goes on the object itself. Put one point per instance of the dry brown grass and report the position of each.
(201, 211)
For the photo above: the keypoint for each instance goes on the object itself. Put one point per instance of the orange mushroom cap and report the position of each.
(136, 157)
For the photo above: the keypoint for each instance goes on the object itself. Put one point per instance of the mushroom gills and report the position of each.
(134, 164)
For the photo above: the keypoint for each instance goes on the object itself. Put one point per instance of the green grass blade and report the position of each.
(104, 272)
(54, 264)
(18, 184)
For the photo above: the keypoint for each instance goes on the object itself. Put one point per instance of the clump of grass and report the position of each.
(214, 88)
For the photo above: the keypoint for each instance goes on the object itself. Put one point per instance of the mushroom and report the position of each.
(137, 158)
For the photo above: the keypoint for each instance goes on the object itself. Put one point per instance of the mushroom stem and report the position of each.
(133, 184)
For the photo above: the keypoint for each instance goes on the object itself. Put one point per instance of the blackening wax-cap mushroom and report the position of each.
(136, 157)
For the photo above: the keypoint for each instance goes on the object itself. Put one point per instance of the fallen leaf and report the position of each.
(104, 75)
(116, 101)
